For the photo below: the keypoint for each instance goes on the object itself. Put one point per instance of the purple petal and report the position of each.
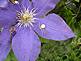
(44, 6)
(4, 44)
(55, 28)
(14, 6)
(7, 17)
(25, 3)
(3, 3)
(26, 45)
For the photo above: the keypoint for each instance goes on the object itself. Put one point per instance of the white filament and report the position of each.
(27, 13)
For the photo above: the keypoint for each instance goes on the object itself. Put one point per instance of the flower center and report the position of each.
(26, 17)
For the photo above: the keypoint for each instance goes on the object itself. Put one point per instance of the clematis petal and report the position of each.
(7, 17)
(26, 45)
(14, 6)
(44, 6)
(53, 27)
(25, 3)
(3, 3)
(4, 44)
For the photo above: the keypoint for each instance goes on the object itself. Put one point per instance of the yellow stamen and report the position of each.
(25, 17)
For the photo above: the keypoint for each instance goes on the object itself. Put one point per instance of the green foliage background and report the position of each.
(69, 50)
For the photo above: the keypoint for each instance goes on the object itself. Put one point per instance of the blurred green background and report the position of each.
(70, 50)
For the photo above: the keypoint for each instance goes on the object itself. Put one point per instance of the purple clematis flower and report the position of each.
(30, 19)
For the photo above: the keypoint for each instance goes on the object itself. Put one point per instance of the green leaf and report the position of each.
(11, 57)
(77, 0)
